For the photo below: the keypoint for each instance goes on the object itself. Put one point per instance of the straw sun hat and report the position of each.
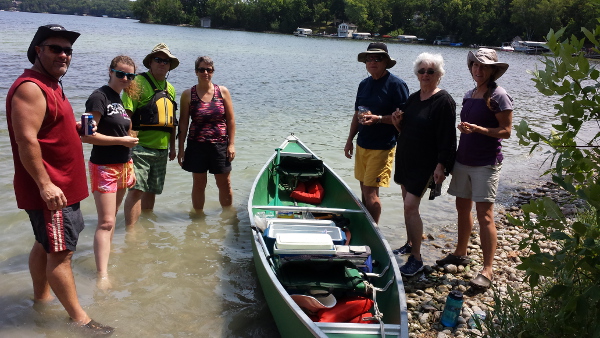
(161, 47)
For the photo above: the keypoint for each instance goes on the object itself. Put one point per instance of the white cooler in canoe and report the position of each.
(304, 244)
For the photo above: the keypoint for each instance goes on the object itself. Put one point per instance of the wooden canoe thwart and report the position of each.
(325, 269)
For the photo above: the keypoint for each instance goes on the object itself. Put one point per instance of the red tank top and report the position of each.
(62, 152)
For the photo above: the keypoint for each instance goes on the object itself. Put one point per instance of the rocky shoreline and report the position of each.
(426, 292)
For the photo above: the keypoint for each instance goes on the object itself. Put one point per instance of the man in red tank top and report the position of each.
(50, 179)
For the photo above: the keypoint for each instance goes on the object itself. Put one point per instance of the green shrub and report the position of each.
(565, 283)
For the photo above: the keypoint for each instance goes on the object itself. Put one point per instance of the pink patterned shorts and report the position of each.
(108, 178)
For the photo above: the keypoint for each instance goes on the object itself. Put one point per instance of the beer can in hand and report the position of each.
(86, 124)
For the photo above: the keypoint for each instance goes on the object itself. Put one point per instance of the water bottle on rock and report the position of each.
(452, 309)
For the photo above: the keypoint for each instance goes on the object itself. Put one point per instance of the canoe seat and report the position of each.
(300, 166)
(320, 274)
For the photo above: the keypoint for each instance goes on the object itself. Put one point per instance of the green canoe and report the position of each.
(270, 203)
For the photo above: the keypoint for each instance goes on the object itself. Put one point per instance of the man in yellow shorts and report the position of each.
(378, 96)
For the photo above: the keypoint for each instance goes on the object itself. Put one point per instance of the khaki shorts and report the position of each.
(373, 167)
(478, 184)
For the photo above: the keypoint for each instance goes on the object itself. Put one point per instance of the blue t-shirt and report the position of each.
(382, 97)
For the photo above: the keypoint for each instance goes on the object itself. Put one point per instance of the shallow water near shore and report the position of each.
(178, 273)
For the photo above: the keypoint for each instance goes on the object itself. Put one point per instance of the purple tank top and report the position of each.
(477, 149)
(208, 118)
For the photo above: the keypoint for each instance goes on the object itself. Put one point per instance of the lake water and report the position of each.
(179, 274)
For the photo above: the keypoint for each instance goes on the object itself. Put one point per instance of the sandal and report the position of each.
(481, 282)
(455, 260)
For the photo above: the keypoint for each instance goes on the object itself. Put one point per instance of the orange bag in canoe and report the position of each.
(346, 309)
(359, 319)
(309, 192)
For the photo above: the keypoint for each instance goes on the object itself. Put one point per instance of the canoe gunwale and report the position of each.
(319, 329)
(282, 291)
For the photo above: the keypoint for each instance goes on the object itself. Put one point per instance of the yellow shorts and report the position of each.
(374, 167)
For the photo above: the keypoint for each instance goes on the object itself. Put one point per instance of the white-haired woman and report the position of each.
(486, 119)
(426, 149)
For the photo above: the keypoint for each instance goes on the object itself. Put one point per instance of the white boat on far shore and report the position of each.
(529, 47)
(506, 47)
(303, 32)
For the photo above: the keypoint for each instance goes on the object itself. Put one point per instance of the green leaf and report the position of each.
(559, 235)
(590, 36)
(552, 209)
(557, 291)
(579, 228)
(541, 269)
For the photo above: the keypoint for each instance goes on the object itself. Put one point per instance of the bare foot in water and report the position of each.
(103, 282)
(40, 305)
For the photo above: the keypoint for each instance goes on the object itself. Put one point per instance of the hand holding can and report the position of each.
(87, 124)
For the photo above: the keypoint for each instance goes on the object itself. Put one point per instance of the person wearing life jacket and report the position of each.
(156, 144)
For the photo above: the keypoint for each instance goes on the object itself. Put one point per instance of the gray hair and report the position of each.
(204, 59)
(436, 59)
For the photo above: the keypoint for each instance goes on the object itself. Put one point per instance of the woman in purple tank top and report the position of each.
(486, 119)
(210, 135)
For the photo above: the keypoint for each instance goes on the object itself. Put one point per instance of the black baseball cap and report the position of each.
(48, 31)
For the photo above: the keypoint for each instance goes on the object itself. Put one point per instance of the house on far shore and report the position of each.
(205, 22)
(345, 30)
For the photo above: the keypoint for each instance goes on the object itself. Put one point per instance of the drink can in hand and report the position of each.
(86, 124)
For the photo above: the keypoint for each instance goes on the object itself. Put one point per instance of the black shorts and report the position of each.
(201, 157)
(57, 230)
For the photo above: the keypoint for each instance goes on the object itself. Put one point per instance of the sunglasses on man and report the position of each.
(56, 49)
(161, 60)
(121, 74)
(429, 71)
(374, 59)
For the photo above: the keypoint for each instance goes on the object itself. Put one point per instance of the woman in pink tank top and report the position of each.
(210, 135)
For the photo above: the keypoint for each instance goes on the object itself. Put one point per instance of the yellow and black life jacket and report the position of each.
(158, 114)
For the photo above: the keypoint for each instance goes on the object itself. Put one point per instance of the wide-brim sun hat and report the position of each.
(49, 31)
(376, 48)
(161, 47)
(317, 300)
(487, 56)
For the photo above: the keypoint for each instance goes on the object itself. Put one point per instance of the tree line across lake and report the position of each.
(482, 22)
